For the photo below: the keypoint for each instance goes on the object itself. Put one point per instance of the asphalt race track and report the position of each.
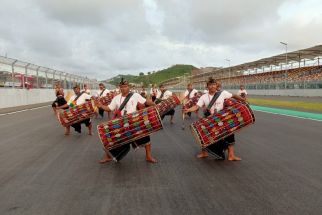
(44, 172)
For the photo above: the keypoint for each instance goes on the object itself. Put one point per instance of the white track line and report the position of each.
(299, 117)
(4, 114)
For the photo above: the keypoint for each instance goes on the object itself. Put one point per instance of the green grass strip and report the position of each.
(285, 112)
(302, 105)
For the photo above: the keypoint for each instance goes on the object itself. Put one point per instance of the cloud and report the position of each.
(101, 39)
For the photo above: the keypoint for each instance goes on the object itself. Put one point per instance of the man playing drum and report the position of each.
(86, 89)
(154, 92)
(61, 103)
(189, 94)
(242, 92)
(78, 99)
(217, 105)
(143, 92)
(164, 94)
(129, 101)
(102, 93)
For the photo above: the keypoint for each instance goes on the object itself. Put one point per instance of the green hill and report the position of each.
(155, 77)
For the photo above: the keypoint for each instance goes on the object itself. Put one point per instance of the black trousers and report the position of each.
(218, 149)
(78, 126)
(169, 113)
(120, 152)
(101, 112)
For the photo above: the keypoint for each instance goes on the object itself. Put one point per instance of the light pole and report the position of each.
(229, 70)
(285, 44)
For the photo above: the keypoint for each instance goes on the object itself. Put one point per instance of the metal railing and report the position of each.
(23, 75)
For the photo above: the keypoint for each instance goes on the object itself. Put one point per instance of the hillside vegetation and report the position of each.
(155, 77)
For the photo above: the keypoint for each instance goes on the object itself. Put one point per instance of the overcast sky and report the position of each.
(103, 38)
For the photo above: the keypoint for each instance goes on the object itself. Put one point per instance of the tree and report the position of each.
(149, 73)
(141, 74)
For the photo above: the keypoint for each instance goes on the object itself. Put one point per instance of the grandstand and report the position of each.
(299, 78)
(299, 69)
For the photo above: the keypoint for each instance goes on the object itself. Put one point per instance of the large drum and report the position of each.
(106, 100)
(128, 128)
(166, 105)
(191, 102)
(77, 113)
(235, 116)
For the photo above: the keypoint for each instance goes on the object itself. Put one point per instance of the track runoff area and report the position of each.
(45, 172)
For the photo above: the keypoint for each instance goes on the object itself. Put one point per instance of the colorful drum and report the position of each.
(77, 113)
(166, 105)
(129, 128)
(106, 100)
(235, 116)
(191, 102)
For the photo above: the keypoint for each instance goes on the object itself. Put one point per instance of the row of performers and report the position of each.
(130, 105)
(127, 102)
(154, 91)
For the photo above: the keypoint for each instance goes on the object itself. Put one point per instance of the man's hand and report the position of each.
(186, 110)
(239, 98)
(149, 102)
(97, 103)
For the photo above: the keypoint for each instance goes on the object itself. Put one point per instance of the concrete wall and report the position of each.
(20, 97)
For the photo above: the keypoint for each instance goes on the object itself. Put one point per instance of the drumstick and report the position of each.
(183, 116)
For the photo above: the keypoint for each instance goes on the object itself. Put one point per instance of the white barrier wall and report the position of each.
(19, 97)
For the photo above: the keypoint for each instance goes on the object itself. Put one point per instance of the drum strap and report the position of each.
(125, 101)
(161, 96)
(102, 92)
(188, 96)
(117, 113)
(213, 100)
(77, 97)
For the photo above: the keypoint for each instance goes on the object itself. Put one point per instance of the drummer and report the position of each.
(143, 92)
(189, 94)
(61, 103)
(216, 107)
(57, 92)
(130, 107)
(102, 93)
(86, 89)
(154, 92)
(78, 99)
(164, 94)
(242, 92)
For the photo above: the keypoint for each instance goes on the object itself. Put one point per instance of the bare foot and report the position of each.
(67, 133)
(151, 160)
(105, 160)
(202, 154)
(234, 158)
(90, 133)
(171, 122)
